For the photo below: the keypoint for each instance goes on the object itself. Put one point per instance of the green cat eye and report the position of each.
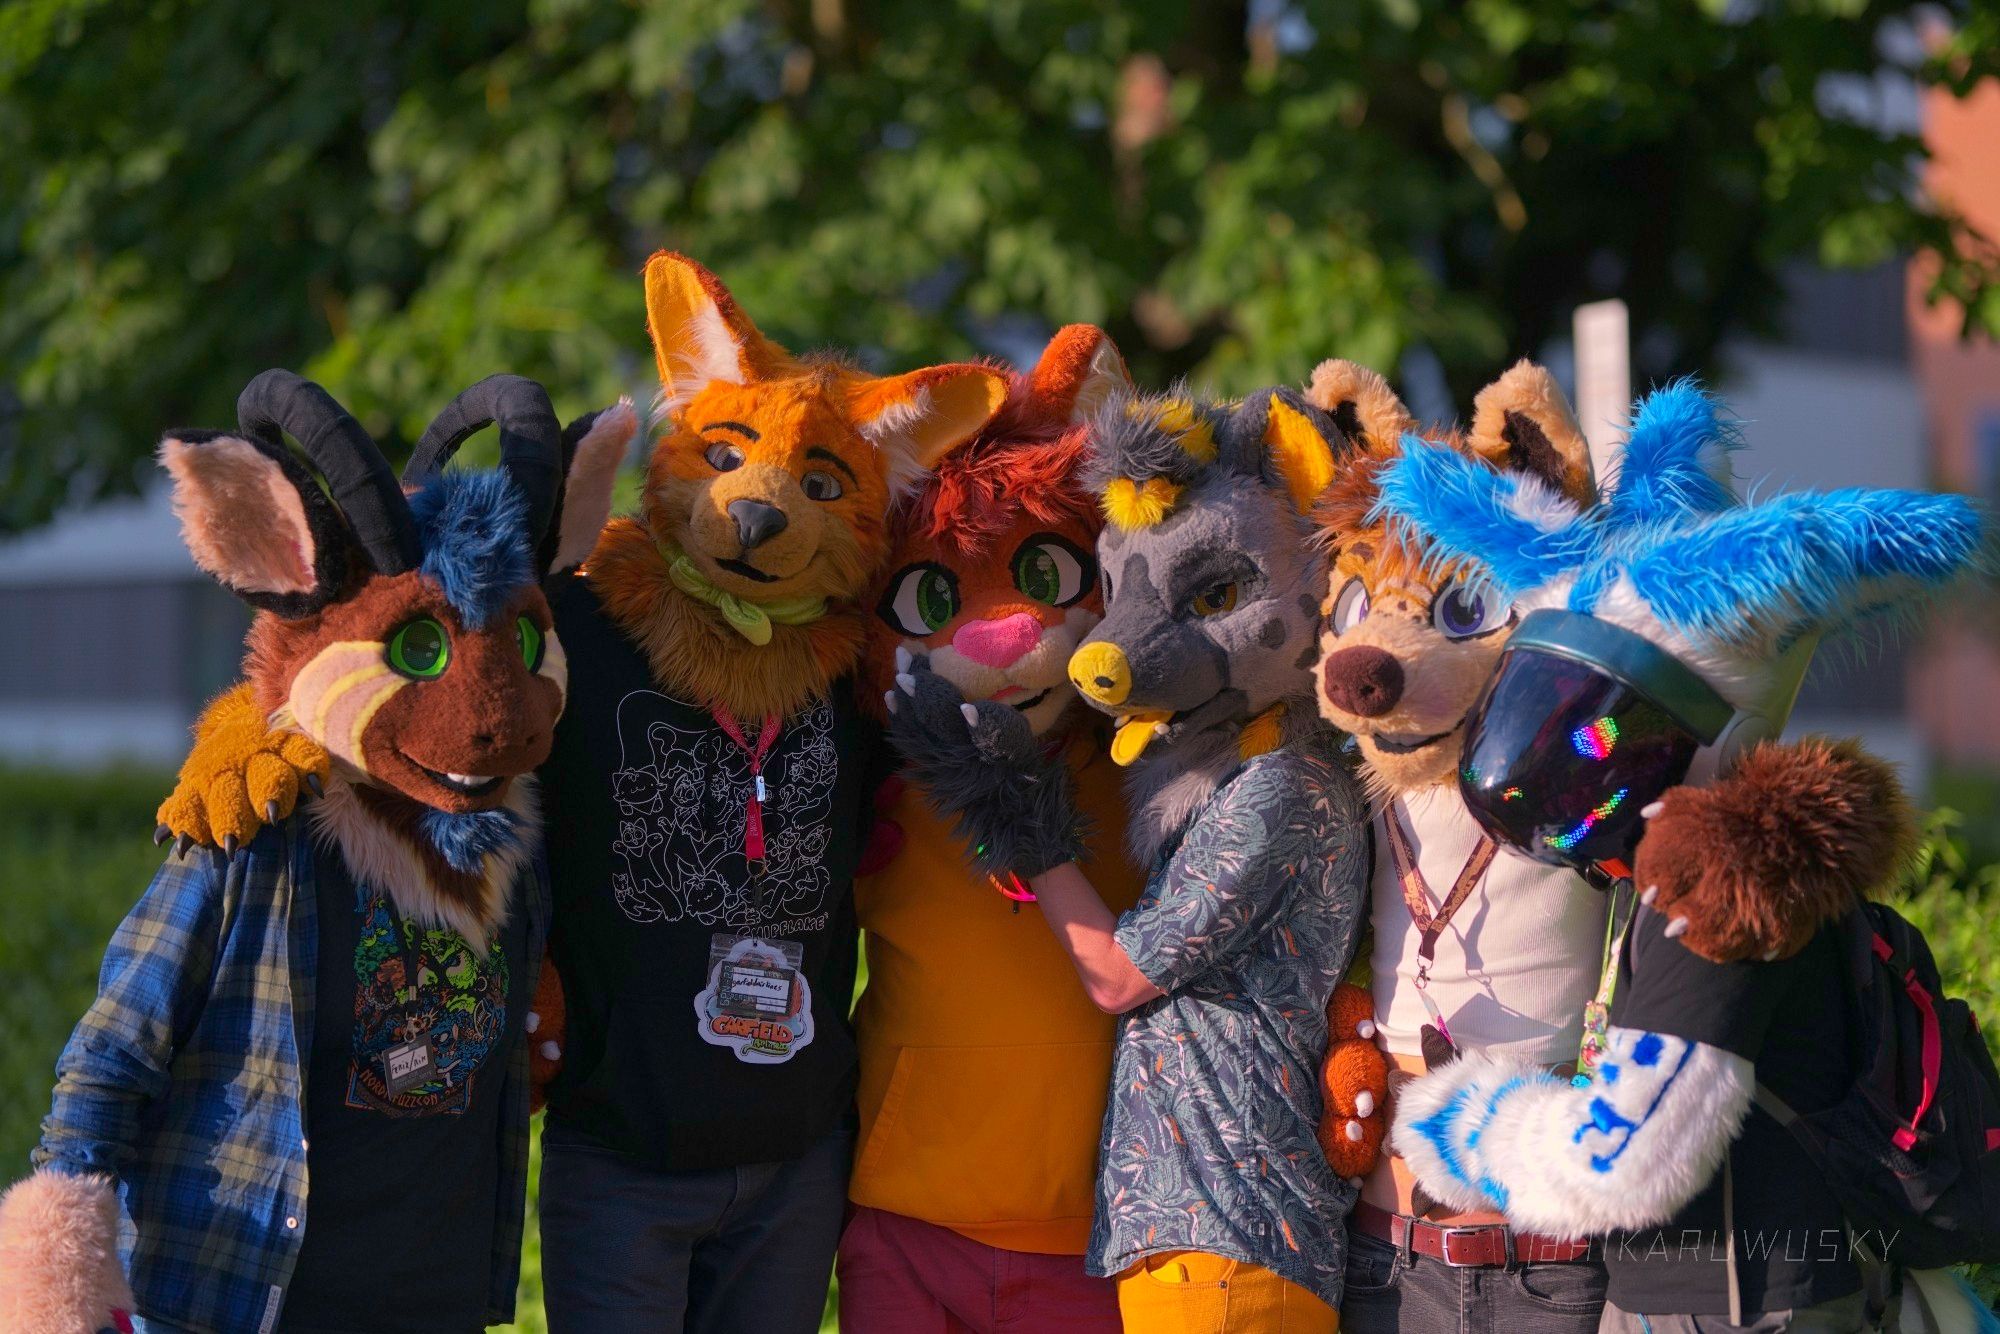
(420, 650)
(529, 636)
(921, 599)
(1050, 568)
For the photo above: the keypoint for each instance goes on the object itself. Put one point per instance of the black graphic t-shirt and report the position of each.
(401, 1176)
(707, 1006)
(1793, 1019)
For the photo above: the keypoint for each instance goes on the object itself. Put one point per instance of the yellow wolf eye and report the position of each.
(1214, 600)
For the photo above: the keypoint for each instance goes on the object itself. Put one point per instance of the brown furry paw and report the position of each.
(59, 1270)
(1354, 1083)
(547, 1023)
(1750, 866)
(239, 777)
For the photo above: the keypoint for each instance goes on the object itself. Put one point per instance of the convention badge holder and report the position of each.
(757, 1003)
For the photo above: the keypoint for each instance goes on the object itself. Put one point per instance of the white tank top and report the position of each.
(1516, 963)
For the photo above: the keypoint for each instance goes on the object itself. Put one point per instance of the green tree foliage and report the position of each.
(401, 197)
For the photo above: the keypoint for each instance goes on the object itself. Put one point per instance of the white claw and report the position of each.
(1652, 892)
(1354, 1132)
(907, 682)
(1366, 1028)
(1364, 1103)
(889, 700)
(1771, 954)
(903, 659)
(971, 715)
(550, 1051)
(1677, 927)
(1354, 1182)
(532, 1022)
(1651, 809)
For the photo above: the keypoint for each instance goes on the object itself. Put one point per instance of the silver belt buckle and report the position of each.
(1452, 1232)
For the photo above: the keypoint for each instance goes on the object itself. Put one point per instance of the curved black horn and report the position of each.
(360, 480)
(530, 442)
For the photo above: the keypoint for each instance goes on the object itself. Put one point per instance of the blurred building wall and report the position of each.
(1955, 682)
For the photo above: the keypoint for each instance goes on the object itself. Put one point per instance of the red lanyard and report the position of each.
(753, 827)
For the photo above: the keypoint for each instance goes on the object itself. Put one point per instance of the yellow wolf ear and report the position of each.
(699, 332)
(1302, 449)
(914, 420)
(1521, 422)
(1361, 404)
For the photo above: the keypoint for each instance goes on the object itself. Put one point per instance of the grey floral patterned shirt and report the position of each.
(1210, 1139)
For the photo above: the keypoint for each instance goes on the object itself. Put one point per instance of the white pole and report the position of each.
(1602, 335)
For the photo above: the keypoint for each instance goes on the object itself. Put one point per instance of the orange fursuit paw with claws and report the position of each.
(1355, 1084)
(240, 776)
(1750, 866)
(547, 1019)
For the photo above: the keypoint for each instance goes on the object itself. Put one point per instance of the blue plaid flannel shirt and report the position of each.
(184, 1081)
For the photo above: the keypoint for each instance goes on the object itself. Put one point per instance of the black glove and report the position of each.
(982, 765)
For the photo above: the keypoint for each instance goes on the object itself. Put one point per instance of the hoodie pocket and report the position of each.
(985, 1135)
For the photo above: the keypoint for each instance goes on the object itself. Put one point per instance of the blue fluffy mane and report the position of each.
(1705, 563)
(473, 526)
(465, 838)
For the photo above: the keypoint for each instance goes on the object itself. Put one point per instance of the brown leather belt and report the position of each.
(1482, 1246)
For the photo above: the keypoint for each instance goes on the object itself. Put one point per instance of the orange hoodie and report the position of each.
(984, 1066)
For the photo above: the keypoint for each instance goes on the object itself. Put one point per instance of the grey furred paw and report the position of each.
(982, 765)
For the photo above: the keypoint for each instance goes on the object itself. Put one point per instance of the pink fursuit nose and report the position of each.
(998, 643)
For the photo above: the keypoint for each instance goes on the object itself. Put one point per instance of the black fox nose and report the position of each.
(756, 522)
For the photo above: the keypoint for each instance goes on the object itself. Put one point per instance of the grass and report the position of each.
(75, 852)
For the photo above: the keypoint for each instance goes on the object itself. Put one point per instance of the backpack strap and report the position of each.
(1775, 1107)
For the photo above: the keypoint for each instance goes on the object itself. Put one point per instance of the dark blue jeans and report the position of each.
(627, 1249)
(1387, 1291)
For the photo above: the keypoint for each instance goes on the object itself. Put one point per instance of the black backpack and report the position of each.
(1912, 1150)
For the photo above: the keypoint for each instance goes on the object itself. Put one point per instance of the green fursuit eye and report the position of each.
(937, 600)
(1036, 575)
(529, 636)
(420, 650)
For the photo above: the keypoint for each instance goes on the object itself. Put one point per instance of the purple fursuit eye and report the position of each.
(1462, 610)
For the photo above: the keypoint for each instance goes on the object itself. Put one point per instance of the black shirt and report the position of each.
(674, 1054)
(1794, 1020)
(401, 1205)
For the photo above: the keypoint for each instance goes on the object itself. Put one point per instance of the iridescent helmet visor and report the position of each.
(1582, 725)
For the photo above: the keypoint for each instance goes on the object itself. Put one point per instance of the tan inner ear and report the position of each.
(1522, 422)
(1303, 457)
(1361, 403)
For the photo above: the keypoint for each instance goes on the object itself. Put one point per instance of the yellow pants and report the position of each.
(1192, 1292)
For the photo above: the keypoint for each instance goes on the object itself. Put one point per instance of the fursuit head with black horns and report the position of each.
(402, 657)
(401, 664)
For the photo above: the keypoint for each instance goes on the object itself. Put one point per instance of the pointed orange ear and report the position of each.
(915, 419)
(1078, 371)
(699, 332)
(1523, 423)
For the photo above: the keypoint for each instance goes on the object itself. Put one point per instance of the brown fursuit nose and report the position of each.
(1364, 681)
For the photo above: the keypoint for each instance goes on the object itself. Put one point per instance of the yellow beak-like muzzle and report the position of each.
(1100, 672)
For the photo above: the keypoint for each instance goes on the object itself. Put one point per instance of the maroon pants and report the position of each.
(901, 1276)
